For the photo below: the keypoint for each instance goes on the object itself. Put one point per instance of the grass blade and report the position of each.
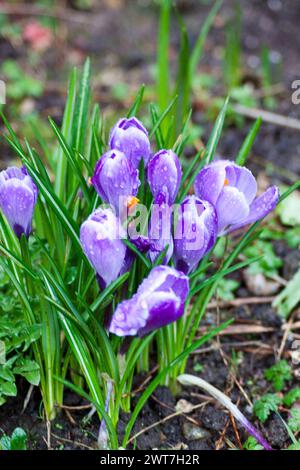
(133, 248)
(159, 120)
(248, 142)
(187, 187)
(72, 160)
(216, 134)
(66, 130)
(198, 48)
(137, 103)
(82, 106)
(80, 350)
(222, 273)
(18, 261)
(163, 55)
(59, 209)
(108, 291)
(183, 82)
(11, 131)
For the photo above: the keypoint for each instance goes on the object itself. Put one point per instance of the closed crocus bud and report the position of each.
(159, 301)
(195, 233)
(115, 179)
(130, 137)
(232, 190)
(164, 176)
(18, 196)
(101, 239)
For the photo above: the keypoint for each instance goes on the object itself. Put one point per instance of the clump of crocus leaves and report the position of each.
(107, 246)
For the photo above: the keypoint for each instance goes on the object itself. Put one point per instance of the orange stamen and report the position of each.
(226, 182)
(132, 201)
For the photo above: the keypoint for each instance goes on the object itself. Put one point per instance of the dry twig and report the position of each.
(236, 432)
(76, 408)
(267, 116)
(77, 443)
(241, 301)
(62, 14)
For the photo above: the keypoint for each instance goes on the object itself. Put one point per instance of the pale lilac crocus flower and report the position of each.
(232, 189)
(101, 239)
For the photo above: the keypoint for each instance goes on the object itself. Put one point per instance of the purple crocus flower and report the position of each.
(159, 301)
(115, 179)
(160, 232)
(195, 233)
(101, 239)
(164, 176)
(232, 190)
(130, 137)
(18, 197)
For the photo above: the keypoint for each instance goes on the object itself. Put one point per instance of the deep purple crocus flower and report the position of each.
(164, 176)
(115, 179)
(101, 239)
(195, 233)
(18, 197)
(130, 137)
(232, 190)
(159, 301)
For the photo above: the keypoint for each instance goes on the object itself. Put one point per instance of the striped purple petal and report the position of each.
(159, 301)
(130, 137)
(18, 197)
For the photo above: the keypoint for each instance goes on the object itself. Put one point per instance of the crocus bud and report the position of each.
(115, 179)
(130, 137)
(18, 196)
(195, 233)
(101, 239)
(164, 176)
(232, 190)
(159, 301)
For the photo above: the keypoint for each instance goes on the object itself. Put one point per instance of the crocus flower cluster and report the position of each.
(225, 200)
